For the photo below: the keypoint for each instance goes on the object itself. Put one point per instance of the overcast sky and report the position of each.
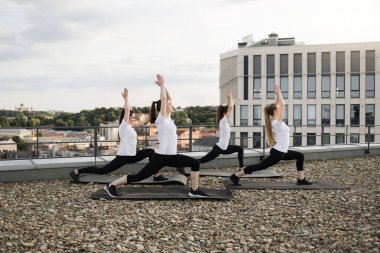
(74, 55)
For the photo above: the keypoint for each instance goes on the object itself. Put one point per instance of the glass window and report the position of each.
(311, 87)
(340, 86)
(270, 87)
(325, 121)
(246, 88)
(339, 138)
(232, 138)
(370, 86)
(355, 62)
(311, 115)
(354, 138)
(284, 70)
(355, 86)
(297, 113)
(297, 139)
(257, 88)
(370, 115)
(326, 69)
(246, 65)
(284, 86)
(311, 63)
(244, 115)
(340, 62)
(285, 118)
(270, 64)
(311, 140)
(370, 61)
(297, 64)
(369, 138)
(257, 65)
(257, 115)
(354, 115)
(256, 140)
(325, 138)
(244, 139)
(297, 87)
(340, 115)
(326, 87)
(234, 115)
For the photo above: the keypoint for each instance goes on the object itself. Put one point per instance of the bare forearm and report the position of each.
(279, 99)
(167, 94)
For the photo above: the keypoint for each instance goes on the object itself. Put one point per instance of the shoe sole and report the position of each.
(196, 196)
(112, 196)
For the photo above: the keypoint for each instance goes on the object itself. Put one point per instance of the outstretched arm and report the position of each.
(229, 104)
(280, 102)
(163, 94)
(127, 108)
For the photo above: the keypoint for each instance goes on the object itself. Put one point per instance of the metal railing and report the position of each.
(50, 142)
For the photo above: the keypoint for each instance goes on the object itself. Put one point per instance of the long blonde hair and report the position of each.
(269, 111)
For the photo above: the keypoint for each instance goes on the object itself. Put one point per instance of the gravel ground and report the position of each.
(56, 216)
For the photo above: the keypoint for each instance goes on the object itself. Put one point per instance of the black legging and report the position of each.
(159, 161)
(216, 151)
(275, 157)
(119, 161)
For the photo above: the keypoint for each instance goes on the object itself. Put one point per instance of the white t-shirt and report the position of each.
(224, 133)
(167, 135)
(128, 140)
(282, 133)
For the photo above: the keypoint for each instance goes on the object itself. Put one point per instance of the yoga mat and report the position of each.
(222, 173)
(285, 185)
(104, 179)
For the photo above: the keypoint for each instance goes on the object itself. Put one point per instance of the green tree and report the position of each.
(60, 122)
(180, 118)
(34, 122)
(21, 145)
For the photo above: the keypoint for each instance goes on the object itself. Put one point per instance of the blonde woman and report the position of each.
(277, 133)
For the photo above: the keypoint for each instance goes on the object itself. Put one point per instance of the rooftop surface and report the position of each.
(56, 216)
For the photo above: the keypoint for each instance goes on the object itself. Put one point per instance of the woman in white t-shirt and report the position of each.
(127, 148)
(223, 114)
(167, 151)
(278, 134)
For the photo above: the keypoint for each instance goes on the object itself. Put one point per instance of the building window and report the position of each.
(354, 138)
(355, 86)
(285, 118)
(246, 65)
(355, 62)
(297, 113)
(257, 65)
(369, 138)
(326, 68)
(355, 115)
(325, 138)
(256, 139)
(340, 86)
(369, 115)
(339, 138)
(284, 86)
(270, 64)
(326, 87)
(244, 139)
(257, 115)
(257, 88)
(311, 63)
(311, 140)
(234, 115)
(297, 90)
(232, 138)
(311, 87)
(325, 111)
(246, 88)
(340, 115)
(311, 115)
(270, 87)
(297, 139)
(370, 86)
(297, 64)
(370, 61)
(340, 62)
(244, 115)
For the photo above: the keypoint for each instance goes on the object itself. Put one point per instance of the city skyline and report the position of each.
(74, 56)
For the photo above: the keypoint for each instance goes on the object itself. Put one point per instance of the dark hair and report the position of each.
(220, 112)
(154, 110)
(269, 111)
(122, 115)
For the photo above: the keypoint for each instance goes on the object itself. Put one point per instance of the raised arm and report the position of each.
(163, 94)
(280, 102)
(229, 104)
(127, 108)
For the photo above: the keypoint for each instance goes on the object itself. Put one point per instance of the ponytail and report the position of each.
(220, 112)
(154, 110)
(269, 111)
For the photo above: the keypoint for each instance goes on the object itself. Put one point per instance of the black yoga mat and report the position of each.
(223, 173)
(285, 185)
(104, 179)
(171, 192)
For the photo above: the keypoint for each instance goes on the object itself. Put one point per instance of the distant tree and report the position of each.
(60, 122)
(33, 122)
(5, 121)
(21, 145)
(180, 118)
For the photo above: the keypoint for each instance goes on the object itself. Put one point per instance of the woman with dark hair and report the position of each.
(167, 151)
(127, 149)
(277, 133)
(222, 147)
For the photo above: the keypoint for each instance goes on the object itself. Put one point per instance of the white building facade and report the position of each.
(331, 92)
